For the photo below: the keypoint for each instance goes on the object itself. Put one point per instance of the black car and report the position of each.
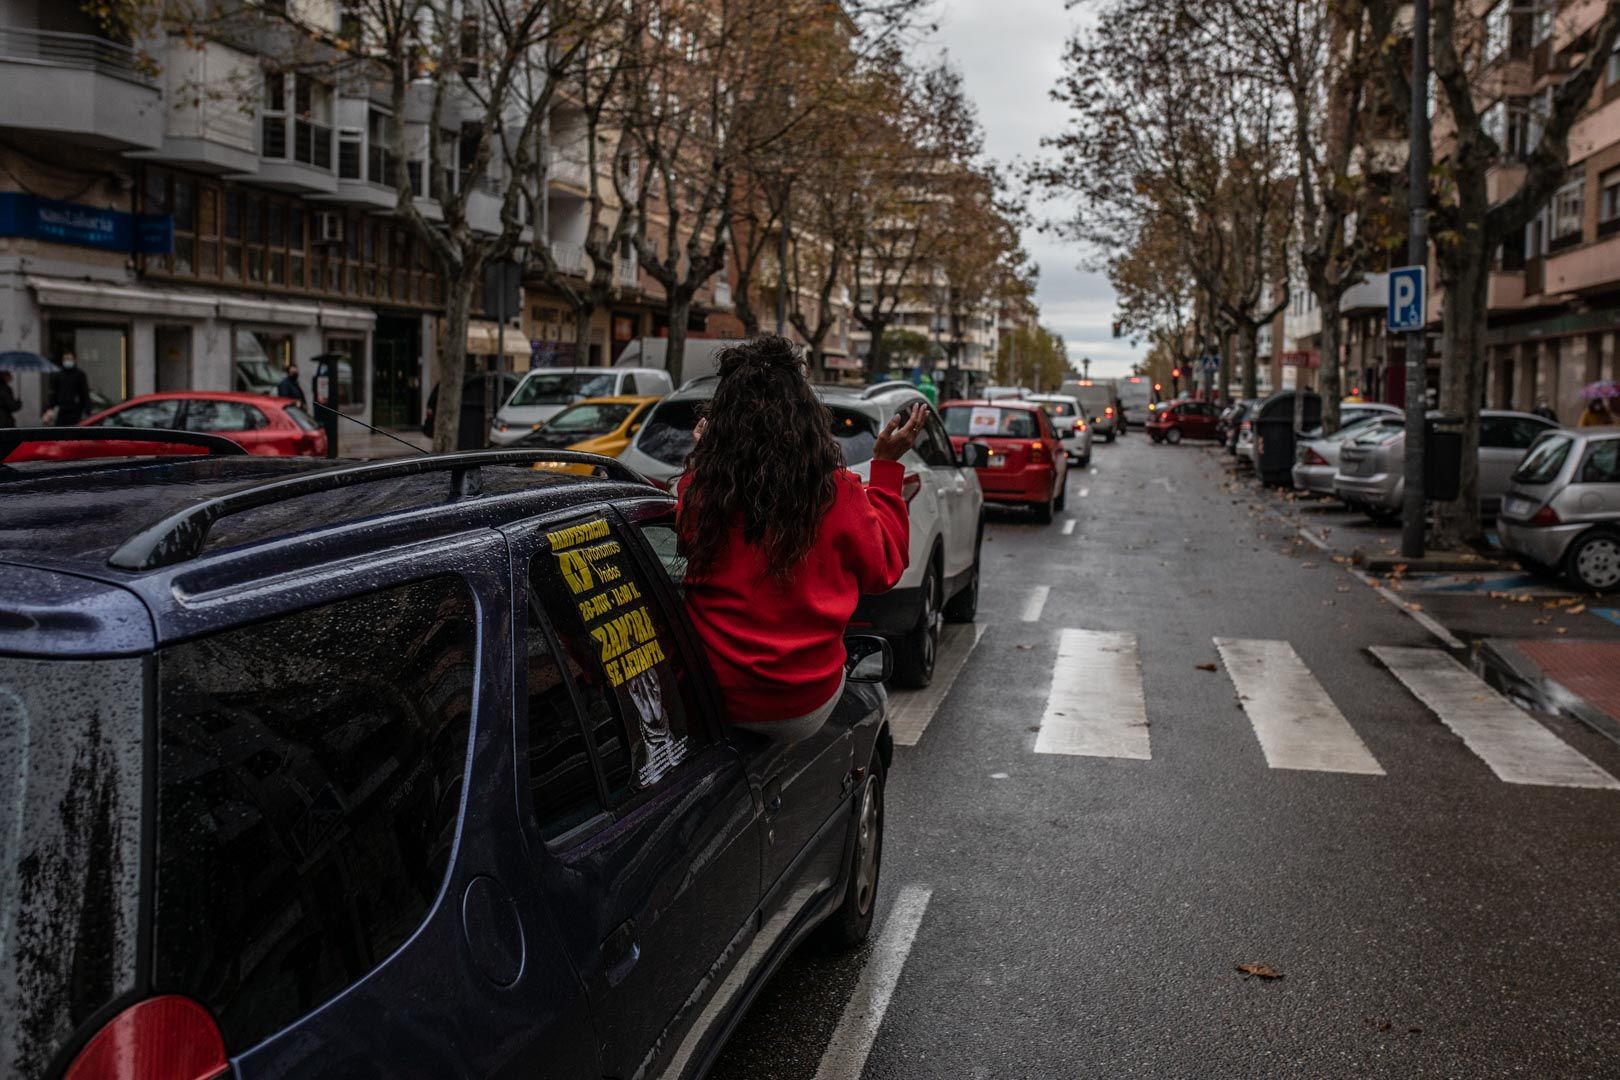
(403, 769)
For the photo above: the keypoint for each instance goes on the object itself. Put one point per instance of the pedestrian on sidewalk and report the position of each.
(1597, 414)
(781, 539)
(70, 395)
(10, 403)
(289, 387)
(1545, 410)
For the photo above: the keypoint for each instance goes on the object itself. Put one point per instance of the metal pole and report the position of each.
(1414, 511)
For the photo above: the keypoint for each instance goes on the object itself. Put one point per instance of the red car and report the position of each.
(1027, 463)
(1177, 420)
(268, 426)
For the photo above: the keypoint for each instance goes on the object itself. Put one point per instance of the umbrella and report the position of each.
(25, 361)
(1606, 388)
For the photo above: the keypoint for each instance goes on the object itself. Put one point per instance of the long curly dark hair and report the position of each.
(767, 460)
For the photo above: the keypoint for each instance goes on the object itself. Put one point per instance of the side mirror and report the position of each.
(868, 659)
(634, 428)
(975, 455)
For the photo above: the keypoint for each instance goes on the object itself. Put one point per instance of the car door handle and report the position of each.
(773, 797)
(620, 951)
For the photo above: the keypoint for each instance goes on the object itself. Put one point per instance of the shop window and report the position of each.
(102, 352)
(351, 370)
(261, 358)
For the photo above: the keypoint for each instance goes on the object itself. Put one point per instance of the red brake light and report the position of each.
(161, 1038)
(1109, 411)
(910, 486)
(1546, 516)
(1311, 457)
(1037, 451)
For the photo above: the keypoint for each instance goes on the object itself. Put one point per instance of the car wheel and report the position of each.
(914, 654)
(964, 606)
(1046, 511)
(1173, 436)
(851, 924)
(1063, 493)
(1156, 437)
(1381, 514)
(1593, 562)
(1108, 437)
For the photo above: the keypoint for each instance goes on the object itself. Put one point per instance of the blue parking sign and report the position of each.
(1406, 299)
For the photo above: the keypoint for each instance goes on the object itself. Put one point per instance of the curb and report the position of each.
(1445, 564)
(1507, 669)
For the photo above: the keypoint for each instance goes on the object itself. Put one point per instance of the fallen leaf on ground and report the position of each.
(1023, 648)
(1205, 667)
(1342, 588)
(1260, 971)
(1415, 606)
(1577, 609)
(1563, 630)
(1541, 622)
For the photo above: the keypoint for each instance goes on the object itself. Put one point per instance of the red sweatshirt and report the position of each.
(777, 643)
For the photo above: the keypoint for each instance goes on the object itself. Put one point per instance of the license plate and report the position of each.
(998, 462)
(1514, 507)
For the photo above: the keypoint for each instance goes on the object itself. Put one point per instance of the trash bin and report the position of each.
(1442, 458)
(1274, 435)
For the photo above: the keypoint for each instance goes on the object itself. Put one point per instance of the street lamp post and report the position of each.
(1414, 513)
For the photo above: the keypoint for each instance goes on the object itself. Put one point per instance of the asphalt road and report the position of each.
(1082, 914)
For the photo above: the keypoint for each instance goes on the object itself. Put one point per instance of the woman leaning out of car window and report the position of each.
(781, 539)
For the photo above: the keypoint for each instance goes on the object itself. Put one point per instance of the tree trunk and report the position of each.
(743, 306)
(1248, 336)
(1223, 342)
(680, 308)
(1462, 362)
(582, 333)
(452, 365)
(875, 357)
(1332, 378)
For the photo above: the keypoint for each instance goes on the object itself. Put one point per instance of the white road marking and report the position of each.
(1428, 622)
(1513, 743)
(1296, 722)
(857, 1029)
(1037, 600)
(911, 710)
(1068, 527)
(1095, 707)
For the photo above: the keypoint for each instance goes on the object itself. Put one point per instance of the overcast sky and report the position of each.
(1010, 53)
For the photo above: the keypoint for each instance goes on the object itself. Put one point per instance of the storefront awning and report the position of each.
(483, 337)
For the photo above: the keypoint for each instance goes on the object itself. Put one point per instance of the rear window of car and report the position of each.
(990, 421)
(1544, 461)
(667, 434)
(1057, 408)
(590, 419)
(71, 751)
(301, 418)
(309, 785)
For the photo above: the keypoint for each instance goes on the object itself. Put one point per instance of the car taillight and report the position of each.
(1546, 516)
(1311, 457)
(1108, 411)
(1078, 428)
(161, 1038)
(910, 486)
(1246, 426)
(1037, 451)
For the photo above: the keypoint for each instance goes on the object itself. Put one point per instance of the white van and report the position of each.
(1135, 395)
(700, 359)
(545, 392)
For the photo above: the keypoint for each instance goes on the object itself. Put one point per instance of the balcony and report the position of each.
(484, 208)
(205, 127)
(295, 154)
(570, 258)
(1591, 267)
(78, 87)
(568, 172)
(626, 274)
(1371, 293)
(1504, 291)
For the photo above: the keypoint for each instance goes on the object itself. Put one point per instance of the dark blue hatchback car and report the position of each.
(406, 769)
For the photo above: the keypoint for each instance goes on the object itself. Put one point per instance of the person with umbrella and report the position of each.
(1597, 395)
(10, 401)
(70, 395)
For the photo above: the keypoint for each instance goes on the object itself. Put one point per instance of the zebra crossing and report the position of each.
(1096, 706)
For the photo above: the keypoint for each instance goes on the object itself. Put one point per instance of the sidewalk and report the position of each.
(1533, 637)
(354, 442)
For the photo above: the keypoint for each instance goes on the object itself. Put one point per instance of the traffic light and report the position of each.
(1116, 327)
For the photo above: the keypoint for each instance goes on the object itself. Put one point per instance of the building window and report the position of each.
(1609, 202)
(1569, 212)
(101, 351)
(296, 120)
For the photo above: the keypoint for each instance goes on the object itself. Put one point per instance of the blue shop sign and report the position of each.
(59, 222)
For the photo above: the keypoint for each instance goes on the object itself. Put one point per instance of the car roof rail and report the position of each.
(877, 389)
(181, 535)
(12, 438)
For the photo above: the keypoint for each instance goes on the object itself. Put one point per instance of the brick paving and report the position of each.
(1588, 669)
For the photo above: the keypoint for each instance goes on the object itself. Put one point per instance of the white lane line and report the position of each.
(1037, 601)
(911, 710)
(1428, 622)
(1296, 722)
(1511, 741)
(1068, 527)
(1095, 707)
(857, 1029)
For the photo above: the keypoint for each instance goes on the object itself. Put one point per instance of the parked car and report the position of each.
(1350, 413)
(602, 425)
(545, 392)
(1097, 405)
(266, 426)
(333, 771)
(1071, 428)
(942, 494)
(1231, 425)
(1562, 509)
(1316, 460)
(1179, 420)
(1026, 464)
(1371, 477)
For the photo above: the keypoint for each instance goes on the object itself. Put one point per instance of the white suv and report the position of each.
(942, 493)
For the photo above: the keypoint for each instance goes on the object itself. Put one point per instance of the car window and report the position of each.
(1602, 464)
(1507, 433)
(856, 435)
(309, 785)
(667, 434)
(561, 387)
(933, 445)
(620, 654)
(589, 419)
(1543, 462)
(146, 414)
(203, 415)
(562, 781)
(301, 418)
(990, 421)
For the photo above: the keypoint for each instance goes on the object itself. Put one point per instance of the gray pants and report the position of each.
(798, 728)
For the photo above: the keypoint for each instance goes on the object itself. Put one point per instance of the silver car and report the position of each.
(1562, 512)
(1316, 460)
(1372, 478)
(1071, 428)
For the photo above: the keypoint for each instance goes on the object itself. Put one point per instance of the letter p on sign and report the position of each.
(1406, 297)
